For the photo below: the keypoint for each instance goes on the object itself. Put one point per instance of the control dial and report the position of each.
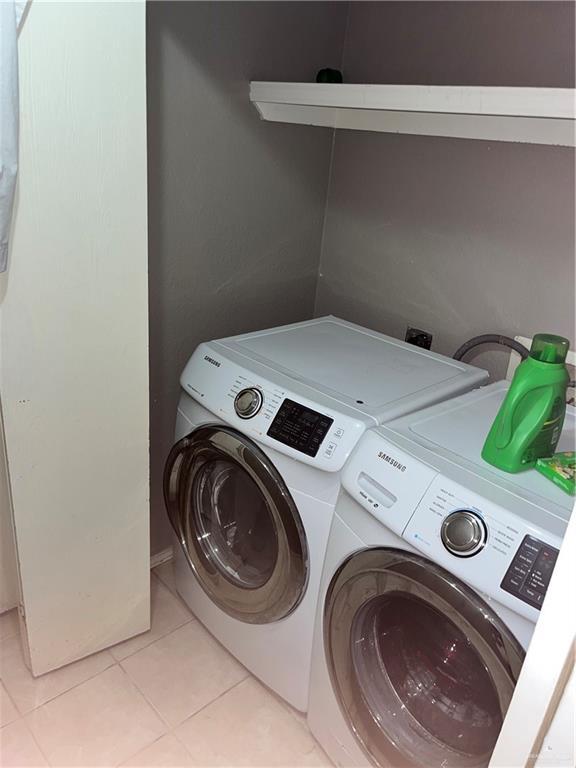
(248, 402)
(463, 533)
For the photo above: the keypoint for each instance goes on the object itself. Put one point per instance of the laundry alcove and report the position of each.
(250, 224)
(256, 223)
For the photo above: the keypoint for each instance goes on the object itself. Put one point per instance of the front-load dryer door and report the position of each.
(421, 666)
(237, 524)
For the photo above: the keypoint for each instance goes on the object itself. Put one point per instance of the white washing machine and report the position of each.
(265, 423)
(436, 568)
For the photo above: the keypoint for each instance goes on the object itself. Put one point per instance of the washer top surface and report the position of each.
(357, 366)
(455, 431)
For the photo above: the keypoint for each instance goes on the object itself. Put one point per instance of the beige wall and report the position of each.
(457, 237)
(236, 205)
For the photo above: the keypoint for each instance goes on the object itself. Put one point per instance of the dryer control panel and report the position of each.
(265, 410)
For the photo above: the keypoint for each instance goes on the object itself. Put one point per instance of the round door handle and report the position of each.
(463, 533)
(248, 402)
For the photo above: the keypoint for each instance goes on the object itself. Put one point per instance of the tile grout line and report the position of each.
(249, 676)
(174, 592)
(72, 687)
(35, 740)
(284, 704)
(147, 700)
(169, 729)
(135, 684)
(198, 711)
(8, 637)
(160, 579)
(131, 757)
(16, 630)
(169, 726)
(143, 648)
(114, 662)
(138, 692)
(153, 570)
(178, 739)
(160, 637)
(11, 701)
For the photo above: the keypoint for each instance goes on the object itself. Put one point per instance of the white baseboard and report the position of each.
(161, 557)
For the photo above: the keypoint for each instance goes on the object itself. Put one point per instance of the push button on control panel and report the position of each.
(529, 573)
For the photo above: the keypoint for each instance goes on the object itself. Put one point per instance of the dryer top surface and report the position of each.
(367, 370)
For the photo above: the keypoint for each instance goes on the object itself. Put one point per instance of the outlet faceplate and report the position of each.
(418, 337)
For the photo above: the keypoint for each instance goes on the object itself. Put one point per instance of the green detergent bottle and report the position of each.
(529, 422)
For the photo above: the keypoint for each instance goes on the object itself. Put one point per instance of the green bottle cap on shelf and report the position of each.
(549, 349)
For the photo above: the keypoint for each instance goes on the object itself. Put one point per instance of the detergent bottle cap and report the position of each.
(549, 349)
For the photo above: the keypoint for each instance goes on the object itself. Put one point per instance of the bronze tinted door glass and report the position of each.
(237, 524)
(423, 669)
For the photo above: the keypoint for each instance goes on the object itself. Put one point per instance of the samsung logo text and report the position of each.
(392, 461)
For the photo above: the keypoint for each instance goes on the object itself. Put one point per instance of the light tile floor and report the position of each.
(170, 697)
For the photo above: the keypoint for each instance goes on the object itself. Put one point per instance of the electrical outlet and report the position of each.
(418, 337)
(515, 361)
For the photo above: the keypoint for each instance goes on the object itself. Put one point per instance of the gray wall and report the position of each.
(236, 205)
(457, 237)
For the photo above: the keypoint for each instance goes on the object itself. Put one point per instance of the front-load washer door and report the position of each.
(421, 666)
(237, 524)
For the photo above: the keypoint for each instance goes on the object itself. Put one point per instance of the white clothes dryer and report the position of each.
(436, 568)
(265, 423)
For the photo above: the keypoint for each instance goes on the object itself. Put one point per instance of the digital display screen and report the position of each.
(300, 428)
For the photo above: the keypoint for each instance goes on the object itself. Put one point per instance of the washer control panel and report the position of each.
(299, 427)
(495, 551)
(530, 571)
(500, 553)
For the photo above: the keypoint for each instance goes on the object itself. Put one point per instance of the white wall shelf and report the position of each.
(529, 115)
